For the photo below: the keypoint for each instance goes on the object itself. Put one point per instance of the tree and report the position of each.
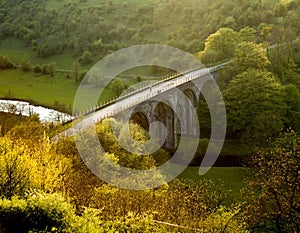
(249, 55)
(6, 63)
(13, 168)
(283, 65)
(229, 22)
(86, 58)
(247, 34)
(51, 46)
(45, 69)
(51, 68)
(292, 100)
(280, 10)
(76, 70)
(31, 129)
(37, 69)
(25, 65)
(255, 106)
(219, 46)
(274, 188)
(30, 163)
(117, 86)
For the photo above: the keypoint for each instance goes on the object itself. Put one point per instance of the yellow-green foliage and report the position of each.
(34, 165)
(30, 161)
(40, 212)
(274, 189)
(224, 220)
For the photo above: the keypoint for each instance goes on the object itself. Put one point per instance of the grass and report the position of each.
(43, 90)
(49, 91)
(232, 178)
(15, 49)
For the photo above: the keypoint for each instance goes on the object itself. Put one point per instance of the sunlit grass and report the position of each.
(44, 90)
(232, 178)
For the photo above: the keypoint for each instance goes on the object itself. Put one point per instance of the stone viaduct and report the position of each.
(173, 102)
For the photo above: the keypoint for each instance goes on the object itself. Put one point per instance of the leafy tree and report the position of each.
(45, 69)
(44, 212)
(255, 106)
(247, 34)
(37, 69)
(52, 45)
(280, 10)
(76, 71)
(283, 65)
(292, 100)
(86, 58)
(219, 46)
(31, 129)
(265, 31)
(274, 188)
(51, 68)
(27, 164)
(25, 65)
(249, 55)
(229, 22)
(117, 86)
(134, 137)
(14, 168)
(138, 79)
(6, 63)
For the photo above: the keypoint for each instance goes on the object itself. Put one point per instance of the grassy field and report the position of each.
(232, 178)
(15, 49)
(44, 90)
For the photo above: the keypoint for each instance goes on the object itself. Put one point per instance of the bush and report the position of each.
(6, 63)
(39, 212)
(86, 58)
(29, 162)
(37, 69)
(25, 65)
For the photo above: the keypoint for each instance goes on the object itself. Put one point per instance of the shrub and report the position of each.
(86, 58)
(37, 69)
(40, 212)
(6, 63)
(37, 212)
